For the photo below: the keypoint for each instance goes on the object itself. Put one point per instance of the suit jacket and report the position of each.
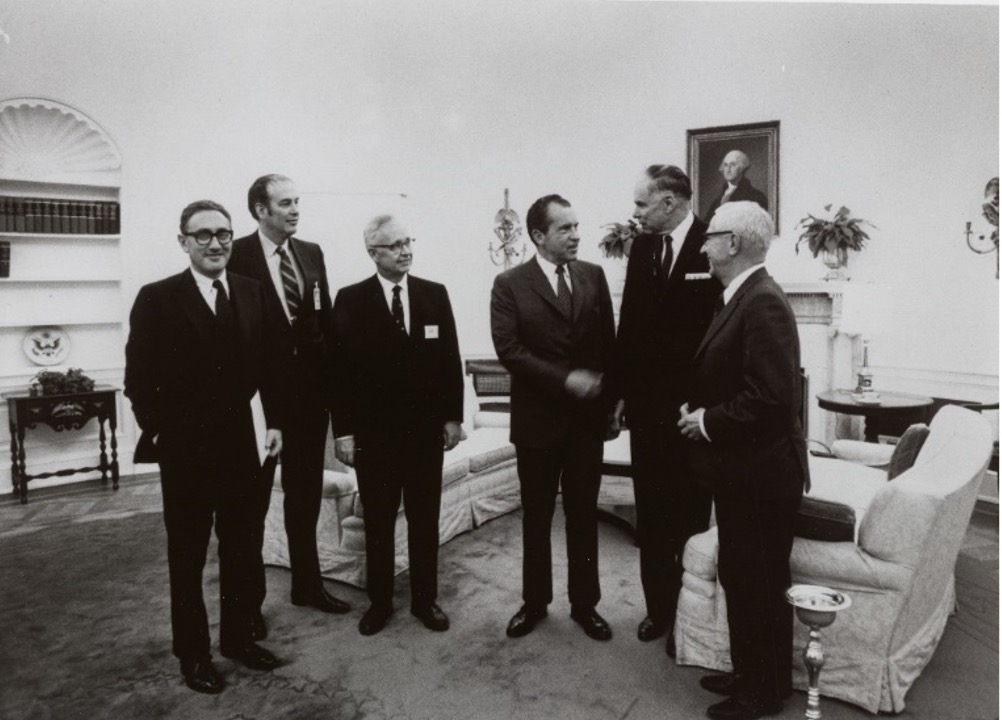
(747, 378)
(539, 346)
(168, 360)
(387, 381)
(305, 340)
(660, 325)
(744, 191)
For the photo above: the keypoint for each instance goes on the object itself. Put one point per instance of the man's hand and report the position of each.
(619, 415)
(273, 442)
(452, 433)
(583, 384)
(344, 450)
(688, 422)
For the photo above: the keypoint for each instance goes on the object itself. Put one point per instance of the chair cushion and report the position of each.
(825, 520)
(907, 450)
(875, 455)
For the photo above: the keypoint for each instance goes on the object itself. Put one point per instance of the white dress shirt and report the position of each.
(208, 291)
(274, 261)
(678, 238)
(550, 270)
(404, 297)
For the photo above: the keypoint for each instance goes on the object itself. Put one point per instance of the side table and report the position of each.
(899, 407)
(70, 411)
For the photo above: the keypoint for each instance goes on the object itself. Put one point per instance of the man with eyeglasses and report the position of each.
(399, 391)
(741, 418)
(668, 302)
(293, 276)
(195, 357)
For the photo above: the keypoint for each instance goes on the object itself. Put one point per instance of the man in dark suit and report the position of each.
(553, 329)
(667, 305)
(736, 186)
(748, 447)
(399, 386)
(195, 357)
(294, 282)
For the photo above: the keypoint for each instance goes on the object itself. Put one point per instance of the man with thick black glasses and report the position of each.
(195, 357)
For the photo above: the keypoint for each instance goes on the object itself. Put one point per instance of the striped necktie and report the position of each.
(397, 309)
(289, 283)
(564, 299)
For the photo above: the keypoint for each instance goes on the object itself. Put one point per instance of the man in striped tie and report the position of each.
(294, 278)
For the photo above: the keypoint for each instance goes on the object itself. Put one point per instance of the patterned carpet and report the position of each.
(84, 614)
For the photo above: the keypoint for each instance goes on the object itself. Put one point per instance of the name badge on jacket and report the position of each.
(431, 331)
(696, 276)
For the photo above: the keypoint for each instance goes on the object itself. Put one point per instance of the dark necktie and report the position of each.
(718, 306)
(289, 283)
(224, 310)
(397, 308)
(564, 301)
(668, 256)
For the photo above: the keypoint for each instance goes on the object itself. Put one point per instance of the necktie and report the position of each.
(718, 307)
(564, 301)
(224, 311)
(397, 308)
(668, 256)
(727, 195)
(289, 283)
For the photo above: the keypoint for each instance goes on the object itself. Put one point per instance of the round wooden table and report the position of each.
(894, 407)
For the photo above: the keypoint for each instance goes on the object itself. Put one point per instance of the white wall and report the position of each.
(891, 110)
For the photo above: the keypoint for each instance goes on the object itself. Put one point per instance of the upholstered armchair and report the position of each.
(897, 566)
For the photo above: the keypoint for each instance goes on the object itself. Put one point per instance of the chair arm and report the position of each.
(846, 566)
(866, 453)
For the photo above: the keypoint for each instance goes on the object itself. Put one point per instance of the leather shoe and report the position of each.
(201, 676)
(374, 620)
(251, 655)
(730, 685)
(258, 628)
(737, 708)
(432, 617)
(525, 621)
(670, 645)
(322, 601)
(649, 629)
(593, 624)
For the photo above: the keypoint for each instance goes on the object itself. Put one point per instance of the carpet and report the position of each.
(86, 634)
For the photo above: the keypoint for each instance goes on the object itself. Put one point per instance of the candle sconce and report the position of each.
(508, 229)
(987, 243)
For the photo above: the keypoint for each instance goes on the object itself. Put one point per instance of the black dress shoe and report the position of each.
(322, 601)
(649, 629)
(730, 685)
(258, 628)
(593, 624)
(670, 645)
(737, 708)
(432, 617)
(525, 621)
(251, 655)
(201, 676)
(374, 620)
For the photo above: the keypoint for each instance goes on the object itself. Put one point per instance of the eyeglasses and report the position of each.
(397, 246)
(710, 234)
(204, 237)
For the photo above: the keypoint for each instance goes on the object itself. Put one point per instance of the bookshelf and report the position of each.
(60, 256)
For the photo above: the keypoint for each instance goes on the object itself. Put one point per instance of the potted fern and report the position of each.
(832, 239)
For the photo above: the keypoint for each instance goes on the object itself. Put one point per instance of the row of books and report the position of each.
(58, 216)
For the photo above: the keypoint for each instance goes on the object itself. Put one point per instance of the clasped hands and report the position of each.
(344, 447)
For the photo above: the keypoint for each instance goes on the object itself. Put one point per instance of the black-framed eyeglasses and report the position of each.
(711, 234)
(397, 246)
(204, 237)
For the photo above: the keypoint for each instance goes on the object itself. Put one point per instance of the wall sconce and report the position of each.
(990, 210)
(508, 229)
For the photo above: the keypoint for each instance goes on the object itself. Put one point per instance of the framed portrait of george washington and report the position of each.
(734, 163)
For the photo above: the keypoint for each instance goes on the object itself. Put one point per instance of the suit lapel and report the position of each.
(541, 285)
(240, 299)
(721, 319)
(193, 305)
(380, 309)
(262, 272)
(581, 290)
(691, 247)
(299, 255)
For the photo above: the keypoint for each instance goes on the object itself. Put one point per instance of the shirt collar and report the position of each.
(548, 267)
(740, 279)
(269, 245)
(681, 231)
(205, 284)
(387, 285)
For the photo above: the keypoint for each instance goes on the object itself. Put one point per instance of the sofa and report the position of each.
(479, 483)
(897, 567)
